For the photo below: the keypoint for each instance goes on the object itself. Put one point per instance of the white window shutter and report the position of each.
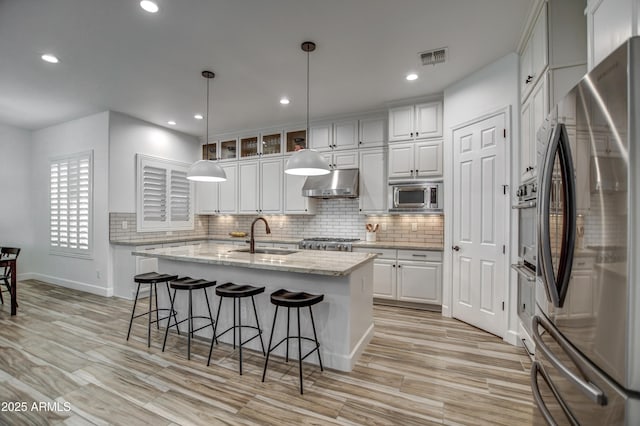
(70, 204)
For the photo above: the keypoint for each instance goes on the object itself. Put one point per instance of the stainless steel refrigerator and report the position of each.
(587, 324)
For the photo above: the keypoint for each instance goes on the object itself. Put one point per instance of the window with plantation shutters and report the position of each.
(70, 204)
(164, 200)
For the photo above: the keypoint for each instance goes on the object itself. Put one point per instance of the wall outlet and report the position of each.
(125, 225)
(383, 226)
(414, 227)
(281, 224)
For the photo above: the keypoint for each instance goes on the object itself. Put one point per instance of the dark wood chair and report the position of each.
(5, 271)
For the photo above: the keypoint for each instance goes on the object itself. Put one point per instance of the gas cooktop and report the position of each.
(337, 240)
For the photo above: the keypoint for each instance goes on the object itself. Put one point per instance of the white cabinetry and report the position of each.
(533, 113)
(221, 197)
(373, 181)
(609, 24)
(407, 275)
(409, 160)
(320, 136)
(533, 60)
(345, 134)
(372, 131)
(582, 292)
(294, 201)
(415, 121)
(260, 186)
(342, 159)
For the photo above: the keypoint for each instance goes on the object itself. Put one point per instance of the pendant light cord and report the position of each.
(308, 128)
(207, 109)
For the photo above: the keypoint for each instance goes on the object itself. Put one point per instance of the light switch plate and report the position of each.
(414, 227)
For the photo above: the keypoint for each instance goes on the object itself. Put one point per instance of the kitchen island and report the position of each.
(344, 320)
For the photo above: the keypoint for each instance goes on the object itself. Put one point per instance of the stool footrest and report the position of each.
(317, 346)
(156, 310)
(175, 324)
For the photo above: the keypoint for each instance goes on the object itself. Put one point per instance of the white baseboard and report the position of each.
(75, 285)
(512, 338)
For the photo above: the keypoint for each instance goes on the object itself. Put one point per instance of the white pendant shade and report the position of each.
(307, 162)
(206, 171)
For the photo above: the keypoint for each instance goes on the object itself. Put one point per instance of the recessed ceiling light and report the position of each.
(52, 59)
(198, 117)
(284, 101)
(149, 6)
(171, 123)
(412, 76)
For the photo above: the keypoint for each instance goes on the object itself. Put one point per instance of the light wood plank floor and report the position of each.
(68, 349)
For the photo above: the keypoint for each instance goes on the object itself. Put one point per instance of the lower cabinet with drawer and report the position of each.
(407, 275)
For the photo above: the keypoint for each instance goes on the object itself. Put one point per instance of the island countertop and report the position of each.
(317, 262)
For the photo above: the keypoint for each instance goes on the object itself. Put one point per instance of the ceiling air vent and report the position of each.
(432, 57)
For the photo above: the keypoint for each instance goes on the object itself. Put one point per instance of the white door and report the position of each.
(384, 279)
(373, 182)
(248, 172)
(479, 223)
(428, 120)
(420, 282)
(401, 123)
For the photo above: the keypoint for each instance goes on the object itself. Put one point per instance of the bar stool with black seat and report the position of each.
(6, 271)
(290, 299)
(151, 278)
(237, 292)
(189, 284)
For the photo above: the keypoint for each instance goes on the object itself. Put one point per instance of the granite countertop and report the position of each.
(319, 262)
(398, 245)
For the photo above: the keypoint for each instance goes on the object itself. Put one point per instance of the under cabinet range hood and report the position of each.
(341, 183)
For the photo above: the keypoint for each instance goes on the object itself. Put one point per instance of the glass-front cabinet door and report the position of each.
(229, 149)
(271, 144)
(210, 151)
(296, 140)
(249, 147)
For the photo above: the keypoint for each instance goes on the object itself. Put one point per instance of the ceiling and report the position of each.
(115, 56)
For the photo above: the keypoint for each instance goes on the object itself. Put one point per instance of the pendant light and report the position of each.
(307, 162)
(207, 170)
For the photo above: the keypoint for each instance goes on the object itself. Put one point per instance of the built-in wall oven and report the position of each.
(527, 258)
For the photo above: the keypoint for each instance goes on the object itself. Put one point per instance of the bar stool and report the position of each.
(296, 300)
(190, 284)
(151, 278)
(237, 292)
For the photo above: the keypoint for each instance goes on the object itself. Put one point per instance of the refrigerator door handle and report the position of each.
(589, 389)
(556, 288)
(536, 369)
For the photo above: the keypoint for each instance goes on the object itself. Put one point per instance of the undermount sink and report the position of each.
(267, 251)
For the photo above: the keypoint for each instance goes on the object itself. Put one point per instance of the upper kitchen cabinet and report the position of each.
(266, 143)
(321, 136)
(342, 159)
(609, 24)
(373, 182)
(555, 47)
(219, 197)
(295, 137)
(294, 201)
(532, 115)
(345, 134)
(260, 186)
(223, 149)
(533, 61)
(372, 131)
(411, 160)
(412, 122)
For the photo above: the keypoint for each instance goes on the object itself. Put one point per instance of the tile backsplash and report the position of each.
(334, 218)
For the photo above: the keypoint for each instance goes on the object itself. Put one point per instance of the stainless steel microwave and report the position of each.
(416, 197)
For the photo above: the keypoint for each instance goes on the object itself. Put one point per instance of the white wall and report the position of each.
(15, 205)
(488, 90)
(79, 135)
(128, 136)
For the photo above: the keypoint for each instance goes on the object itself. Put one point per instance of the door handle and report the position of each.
(456, 248)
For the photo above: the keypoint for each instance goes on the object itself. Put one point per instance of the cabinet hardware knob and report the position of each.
(411, 134)
(529, 79)
(456, 248)
(360, 142)
(394, 266)
(417, 133)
